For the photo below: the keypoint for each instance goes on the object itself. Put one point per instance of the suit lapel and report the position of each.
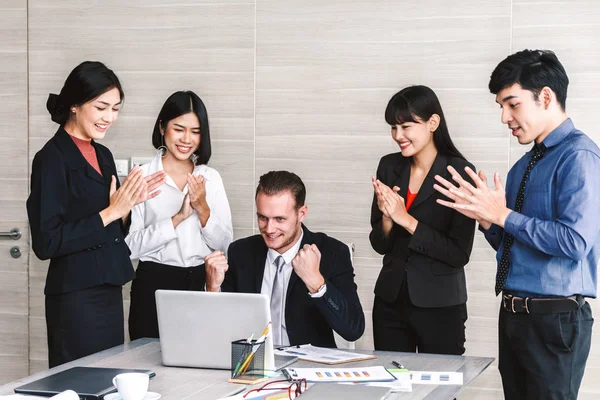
(306, 239)
(105, 167)
(76, 160)
(426, 190)
(401, 178)
(260, 259)
(73, 155)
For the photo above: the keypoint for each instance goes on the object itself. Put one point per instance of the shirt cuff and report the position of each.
(204, 289)
(490, 233)
(513, 222)
(210, 227)
(322, 290)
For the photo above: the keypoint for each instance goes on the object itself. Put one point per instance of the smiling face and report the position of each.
(91, 120)
(279, 221)
(182, 136)
(525, 116)
(414, 137)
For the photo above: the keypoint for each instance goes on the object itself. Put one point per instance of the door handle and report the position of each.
(15, 234)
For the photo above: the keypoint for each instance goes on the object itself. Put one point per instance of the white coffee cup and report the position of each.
(132, 385)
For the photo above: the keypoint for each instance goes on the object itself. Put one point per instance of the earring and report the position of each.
(162, 149)
(193, 158)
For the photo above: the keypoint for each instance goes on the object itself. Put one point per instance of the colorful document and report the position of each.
(401, 384)
(358, 374)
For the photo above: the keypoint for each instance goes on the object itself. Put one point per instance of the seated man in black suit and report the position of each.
(308, 276)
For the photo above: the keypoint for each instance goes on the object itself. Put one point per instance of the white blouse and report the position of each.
(152, 236)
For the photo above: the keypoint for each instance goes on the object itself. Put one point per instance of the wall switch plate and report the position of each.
(122, 167)
(140, 160)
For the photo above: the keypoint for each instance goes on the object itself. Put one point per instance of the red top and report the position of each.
(88, 151)
(410, 197)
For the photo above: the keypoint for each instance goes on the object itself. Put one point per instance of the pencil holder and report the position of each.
(247, 358)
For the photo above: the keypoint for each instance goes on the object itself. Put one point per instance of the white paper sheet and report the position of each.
(324, 355)
(332, 374)
(401, 384)
(436, 378)
(66, 395)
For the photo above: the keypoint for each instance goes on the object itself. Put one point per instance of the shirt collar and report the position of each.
(157, 165)
(559, 133)
(289, 255)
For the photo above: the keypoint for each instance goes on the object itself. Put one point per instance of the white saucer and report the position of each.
(148, 396)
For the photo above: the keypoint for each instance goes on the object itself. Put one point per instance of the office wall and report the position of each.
(302, 85)
(14, 341)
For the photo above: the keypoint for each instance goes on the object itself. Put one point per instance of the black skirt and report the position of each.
(84, 322)
(149, 277)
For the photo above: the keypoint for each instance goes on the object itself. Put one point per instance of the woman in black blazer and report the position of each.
(420, 295)
(77, 212)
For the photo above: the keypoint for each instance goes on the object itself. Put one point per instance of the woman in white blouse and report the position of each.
(173, 232)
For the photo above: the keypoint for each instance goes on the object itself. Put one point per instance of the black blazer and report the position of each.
(308, 320)
(433, 258)
(67, 194)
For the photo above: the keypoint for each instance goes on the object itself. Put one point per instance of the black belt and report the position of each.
(539, 305)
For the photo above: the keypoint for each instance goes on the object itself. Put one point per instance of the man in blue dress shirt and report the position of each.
(545, 228)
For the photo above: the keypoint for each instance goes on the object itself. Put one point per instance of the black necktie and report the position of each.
(504, 265)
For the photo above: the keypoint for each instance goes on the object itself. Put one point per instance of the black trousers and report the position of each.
(84, 322)
(149, 277)
(402, 326)
(543, 356)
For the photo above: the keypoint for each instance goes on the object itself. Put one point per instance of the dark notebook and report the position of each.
(89, 383)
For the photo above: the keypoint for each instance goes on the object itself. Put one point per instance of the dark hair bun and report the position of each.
(58, 111)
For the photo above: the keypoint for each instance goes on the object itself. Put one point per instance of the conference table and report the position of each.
(206, 384)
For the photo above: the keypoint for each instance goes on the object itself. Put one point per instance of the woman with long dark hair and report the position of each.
(420, 295)
(78, 216)
(172, 233)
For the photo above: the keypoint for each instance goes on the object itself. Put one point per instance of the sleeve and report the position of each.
(380, 243)
(340, 304)
(493, 235)
(574, 232)
(218, 231)
(453, 248)
(48, 207)
(142, 239)
(229, 283)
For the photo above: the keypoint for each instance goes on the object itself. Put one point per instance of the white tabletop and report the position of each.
(205, 384)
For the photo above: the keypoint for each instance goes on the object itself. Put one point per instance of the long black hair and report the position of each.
(420, 101)
(178, 104)
(87, 81)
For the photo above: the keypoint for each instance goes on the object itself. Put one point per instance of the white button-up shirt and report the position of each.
(269, 277)
(152, 236)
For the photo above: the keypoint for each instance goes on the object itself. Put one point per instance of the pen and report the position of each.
(398, 365)
(238, 366)
(288, 347)
(266, 329)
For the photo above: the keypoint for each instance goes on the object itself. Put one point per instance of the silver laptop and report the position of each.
(196, 328)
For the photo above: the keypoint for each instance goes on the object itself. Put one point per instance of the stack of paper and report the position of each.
(322, 355)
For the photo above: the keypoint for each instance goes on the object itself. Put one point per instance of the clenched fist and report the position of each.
(216, 265)
(306, 265)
